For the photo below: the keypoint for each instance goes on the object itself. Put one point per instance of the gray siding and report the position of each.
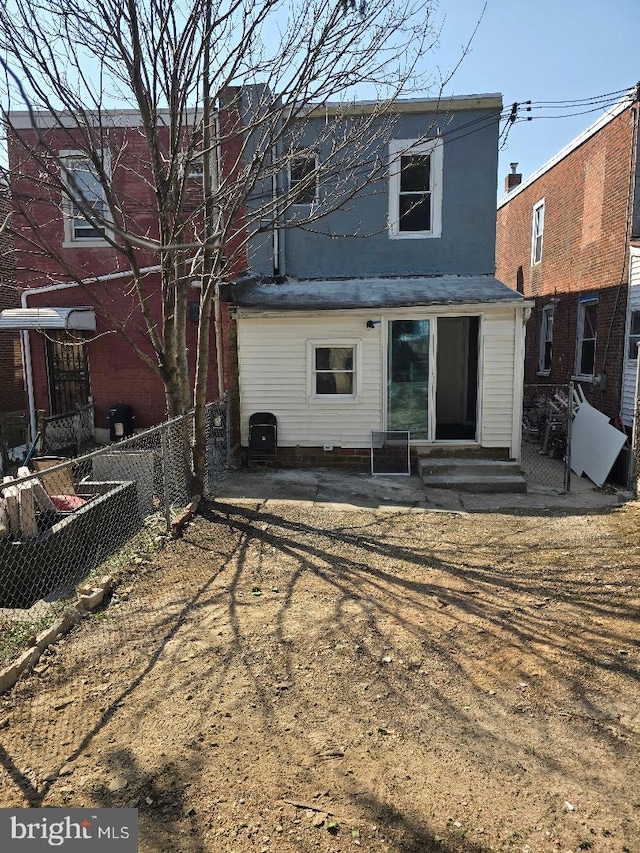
(354, 241)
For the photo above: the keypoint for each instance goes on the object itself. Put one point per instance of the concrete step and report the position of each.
(472, 475)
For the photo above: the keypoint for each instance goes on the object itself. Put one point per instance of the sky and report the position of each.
(545, 51)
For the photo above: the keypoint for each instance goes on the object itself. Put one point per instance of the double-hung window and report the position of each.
(587, 336)
(333, 370)
(546, 340)
(303, 178)
(86, 205)
(415, 188)
(537, 230)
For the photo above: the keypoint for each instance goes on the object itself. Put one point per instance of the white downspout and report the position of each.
(521, 318)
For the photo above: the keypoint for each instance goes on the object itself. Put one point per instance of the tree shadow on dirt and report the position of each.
(409, 833)
(481, 576)
(375, 582)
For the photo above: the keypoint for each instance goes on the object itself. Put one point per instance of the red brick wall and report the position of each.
(12, 395)
(116, 371)
(585, 241)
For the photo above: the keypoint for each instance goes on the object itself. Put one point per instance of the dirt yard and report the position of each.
(305, 677)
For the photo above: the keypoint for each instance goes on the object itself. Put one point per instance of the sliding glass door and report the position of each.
(408, 377)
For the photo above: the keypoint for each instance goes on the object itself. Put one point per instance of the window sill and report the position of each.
(415, 235)
(85, 244)
(583, 378)
(543, 373)
(332, 399)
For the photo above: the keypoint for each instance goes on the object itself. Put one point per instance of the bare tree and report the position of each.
(225, 89)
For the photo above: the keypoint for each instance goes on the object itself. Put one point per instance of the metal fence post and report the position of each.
(227, 422)
(567, 457)
(632, 485)
(165, 479)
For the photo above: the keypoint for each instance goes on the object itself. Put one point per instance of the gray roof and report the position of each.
(369, 293)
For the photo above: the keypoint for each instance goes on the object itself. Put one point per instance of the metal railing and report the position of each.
(65, 520)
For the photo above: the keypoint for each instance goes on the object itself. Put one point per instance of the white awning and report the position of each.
(21, 319)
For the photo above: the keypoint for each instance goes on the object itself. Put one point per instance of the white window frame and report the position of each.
(633, 339)
(537, 232)
(71, 238)
(580, 339)
(195, 169)
(399, 148)
(546, 337)
(314, 344)
(294, 183)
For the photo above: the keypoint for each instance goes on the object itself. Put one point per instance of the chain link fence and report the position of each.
(64, 521)
(68, 431)
(546, 437)
(14, 439)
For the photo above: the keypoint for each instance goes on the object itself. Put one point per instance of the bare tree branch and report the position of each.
(144, 91)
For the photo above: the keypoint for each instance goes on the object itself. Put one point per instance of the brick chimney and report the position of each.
(513, 178)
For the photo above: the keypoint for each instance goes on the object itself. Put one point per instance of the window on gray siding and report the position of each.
(303, 179)
(415, 188)
(415, 193)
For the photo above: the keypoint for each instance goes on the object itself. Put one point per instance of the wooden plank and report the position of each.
(27, 509)
(43, 501)
(187, 513)
(4, 520)
(13, 510)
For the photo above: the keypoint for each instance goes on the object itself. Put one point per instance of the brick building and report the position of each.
(101, 354)
(12, 395)
(565, 240)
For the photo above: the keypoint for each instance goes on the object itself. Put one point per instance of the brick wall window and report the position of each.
(587, 333)
(537, 230)
(415, 188)
(85, 208)
(546, 340)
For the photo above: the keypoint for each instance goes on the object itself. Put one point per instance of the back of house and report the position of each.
(371, 304)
